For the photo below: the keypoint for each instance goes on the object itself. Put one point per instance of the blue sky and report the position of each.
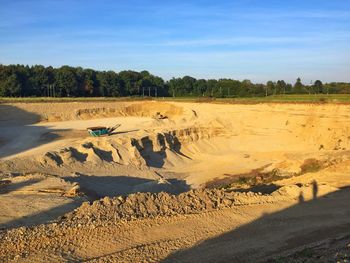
(243, 39)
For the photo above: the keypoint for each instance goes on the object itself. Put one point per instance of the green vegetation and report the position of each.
(311, 166)
(260, 178)
(317, 98)
(307, 254)
(253, 179)
(66, 81)
(289, 98)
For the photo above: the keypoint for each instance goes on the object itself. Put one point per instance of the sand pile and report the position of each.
(92, 152)
(158, 149)
(149, 205)
(112, 211)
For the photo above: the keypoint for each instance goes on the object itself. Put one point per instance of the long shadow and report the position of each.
(96, 187)
(175, 144)
(37, 218)
(157, 158)
(146, 149)
(43, 216)
(266, 238)
(264, 188)
(8, 187)
(122, 132)
(17, 132)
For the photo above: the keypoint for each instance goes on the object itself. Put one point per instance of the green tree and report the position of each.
(281, 87)
(229, 87)
(131, 82)
(299, 87)
(21, 80)
(270, 88)
(40, 77)
(66, 82)
(109, 84)
(188, 86)
(212, 87)
(246, 88)
(89, 83)
(318, 86)
(174, 84)
(11, 87)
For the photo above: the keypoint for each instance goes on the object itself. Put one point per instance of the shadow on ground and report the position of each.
(92, 188)
(18, 133)
(156, 158)
(42, 217)
(266, 238)
(123, 132)
(96, 187)
(7, 187)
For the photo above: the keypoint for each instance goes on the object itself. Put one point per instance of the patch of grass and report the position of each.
(252, 179)
(66, 99)
(311, 166)
(278, 260)
(323, 100)
(261, 178)
(305, 253)
(288, 98)
(291, 98)
(242, 180)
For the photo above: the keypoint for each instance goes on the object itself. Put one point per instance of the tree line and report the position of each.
(66, 81)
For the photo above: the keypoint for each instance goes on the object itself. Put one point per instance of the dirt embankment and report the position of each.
(74, 236)
(54, 112)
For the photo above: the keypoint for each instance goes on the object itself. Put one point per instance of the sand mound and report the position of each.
(132, 229)
(162, 149)
(151, 205)
(95, 152)
(148, 205)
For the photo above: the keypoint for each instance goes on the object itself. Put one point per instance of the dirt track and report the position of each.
(248, 232)
(54, 162)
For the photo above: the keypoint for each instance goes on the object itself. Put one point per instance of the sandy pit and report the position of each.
(179, 182)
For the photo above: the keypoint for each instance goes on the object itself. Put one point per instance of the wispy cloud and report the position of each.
(257, 40)
(200, 37)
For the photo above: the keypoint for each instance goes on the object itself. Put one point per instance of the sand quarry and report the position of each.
(176, 182)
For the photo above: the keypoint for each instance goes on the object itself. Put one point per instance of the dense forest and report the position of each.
(66, 81)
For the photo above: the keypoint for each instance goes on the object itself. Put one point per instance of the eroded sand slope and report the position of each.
(296, 154)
